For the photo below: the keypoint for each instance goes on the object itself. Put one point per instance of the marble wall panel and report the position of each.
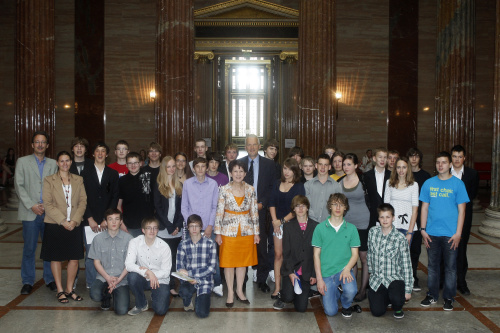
(7, 73)
(362, 74)
(426, 81)
(485, 62)
(64, 74)
(129, 58)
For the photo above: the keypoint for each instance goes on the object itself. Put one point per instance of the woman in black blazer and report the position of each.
(298, 262)
(167, 198)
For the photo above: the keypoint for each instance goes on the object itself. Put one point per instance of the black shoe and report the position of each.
(313, 293)
(464, 290)
(399, 314)
(448, 305)
(277, 296)
(278, 305)
(26, 290)
(106, 298)
(347, 313)
(52, 286)
(106, 302)
(229, 305)
(244, 301)
(416, 286)
(264, 287)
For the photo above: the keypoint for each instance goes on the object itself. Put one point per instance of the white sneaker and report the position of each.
(135, 310)
(218, 290)
(271, 275)
(254, 275)
(189, 308)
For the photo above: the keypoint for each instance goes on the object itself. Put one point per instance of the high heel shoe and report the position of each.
(244, 301)
(229, 305)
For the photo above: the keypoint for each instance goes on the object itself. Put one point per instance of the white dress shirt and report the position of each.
(156, 258)
(458, 174)
(379, 176)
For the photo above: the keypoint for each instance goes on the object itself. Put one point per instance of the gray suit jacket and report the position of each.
(29, 184)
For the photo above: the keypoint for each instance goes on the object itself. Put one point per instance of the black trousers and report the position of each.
(462, 263)
(265, 256)
(380, 299)
(288, 295)
(415, 250)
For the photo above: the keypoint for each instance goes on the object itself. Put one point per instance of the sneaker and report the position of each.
(416, 287)
(347, 313)
(399, 314)
(448, 305)
(136, 310)
(313, 293)
(218, 290)
(279, 304)
(106, 302)
(271, 275)
(189, 308)
(389, 305)
(254, 275)
(428, 301)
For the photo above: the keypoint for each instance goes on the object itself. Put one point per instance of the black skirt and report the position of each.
(59, 244)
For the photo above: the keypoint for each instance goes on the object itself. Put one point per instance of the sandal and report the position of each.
(64, 299)
(74, 296)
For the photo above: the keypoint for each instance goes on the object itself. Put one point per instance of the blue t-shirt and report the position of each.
(443, 197)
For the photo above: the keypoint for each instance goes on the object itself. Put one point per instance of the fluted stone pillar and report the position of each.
(174, 75)
(35, 56)
(317, 75)
(491, 224)
(456, 74)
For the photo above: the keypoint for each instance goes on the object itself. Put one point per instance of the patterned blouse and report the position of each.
(229, 215)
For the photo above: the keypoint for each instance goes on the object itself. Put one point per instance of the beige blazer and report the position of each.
(54, 199)
(29, 184)
(226, 223)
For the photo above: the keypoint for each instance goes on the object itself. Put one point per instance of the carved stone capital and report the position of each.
(203, 56)
(289, 57)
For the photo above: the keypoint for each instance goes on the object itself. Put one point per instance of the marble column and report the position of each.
(204, 97)
(491, 224)
(174, 75)
(317, 75)
(35, 92)
(456, 74)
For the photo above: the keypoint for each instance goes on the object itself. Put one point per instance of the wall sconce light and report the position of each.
(338, 95)
(152, 94)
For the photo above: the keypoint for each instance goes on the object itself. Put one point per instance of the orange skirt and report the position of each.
(239, 251)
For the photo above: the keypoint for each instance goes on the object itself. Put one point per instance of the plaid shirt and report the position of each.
(199, 261)
(389, 259)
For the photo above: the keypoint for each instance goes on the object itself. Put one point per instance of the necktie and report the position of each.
(250, 174)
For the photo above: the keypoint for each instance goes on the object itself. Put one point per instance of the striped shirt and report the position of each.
(389, 259)
(199, 260)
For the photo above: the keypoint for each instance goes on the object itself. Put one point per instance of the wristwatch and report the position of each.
(422, 229)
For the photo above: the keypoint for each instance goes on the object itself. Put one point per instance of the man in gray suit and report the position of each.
(28, 180)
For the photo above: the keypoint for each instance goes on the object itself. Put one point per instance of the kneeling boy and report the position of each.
(389, 265)
(148, 263)
(336, 244)
(109, 250)
(196, 257)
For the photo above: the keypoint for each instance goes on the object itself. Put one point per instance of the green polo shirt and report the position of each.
(335, 246)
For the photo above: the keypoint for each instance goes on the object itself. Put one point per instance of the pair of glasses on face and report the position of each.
(151, 228)
(336, 204)
(133, 163)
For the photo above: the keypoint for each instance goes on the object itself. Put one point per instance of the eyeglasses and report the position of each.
(151, 228)
(301, 206)
(133, 163)
(336, 204)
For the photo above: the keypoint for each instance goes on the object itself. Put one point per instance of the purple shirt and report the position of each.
(220, 178)
(201, 199)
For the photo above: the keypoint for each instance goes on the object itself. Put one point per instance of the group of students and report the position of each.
(302, 223)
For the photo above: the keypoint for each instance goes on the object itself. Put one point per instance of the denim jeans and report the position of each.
(121, 296)
(332, 294)
(160, 296)
(201, 303)
(217, 277)
(90, 271)
(31, 230)
(439, 247)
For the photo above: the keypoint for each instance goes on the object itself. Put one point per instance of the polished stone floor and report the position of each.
(40, 312)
